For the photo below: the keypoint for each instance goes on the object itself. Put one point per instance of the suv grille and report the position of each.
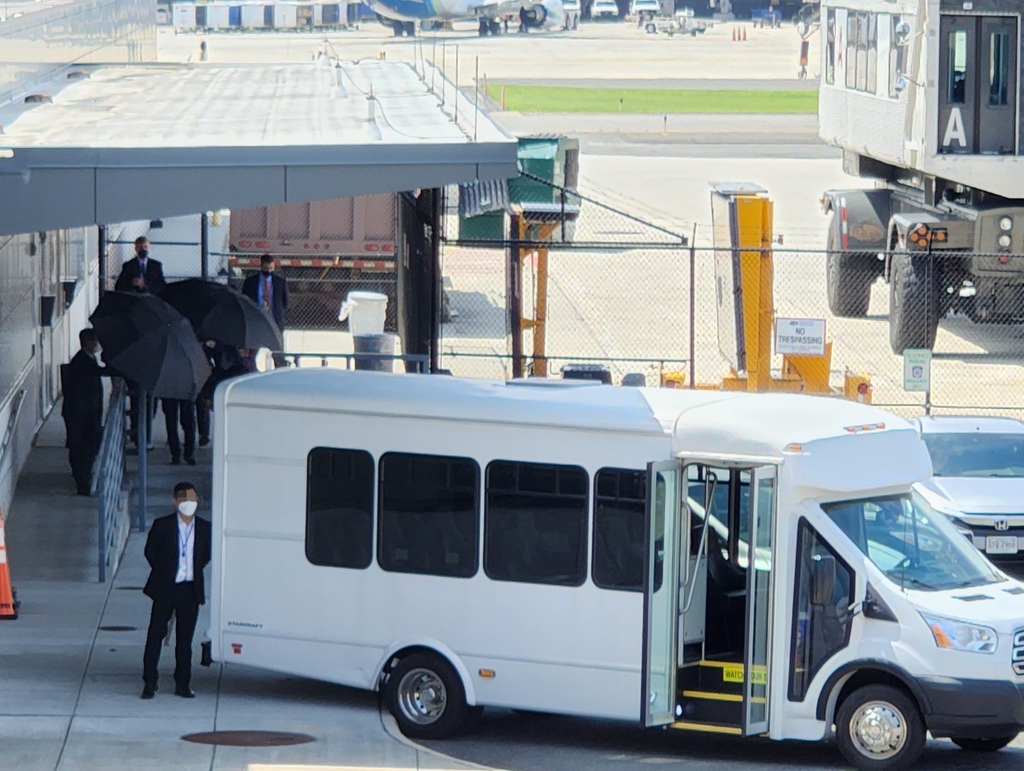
(1018, 652)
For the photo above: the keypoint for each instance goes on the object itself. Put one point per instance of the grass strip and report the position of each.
(651, 100)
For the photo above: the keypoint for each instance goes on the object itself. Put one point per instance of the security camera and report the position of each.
(902, 31)
(900, 85)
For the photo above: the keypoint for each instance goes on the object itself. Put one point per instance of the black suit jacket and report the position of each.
(83, 390)
(133, 269)
(162, 556)
(278, 299)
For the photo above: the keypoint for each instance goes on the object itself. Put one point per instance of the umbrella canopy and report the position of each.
(151, 344)
(219, 313)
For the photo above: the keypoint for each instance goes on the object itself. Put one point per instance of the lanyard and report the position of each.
(183, 543)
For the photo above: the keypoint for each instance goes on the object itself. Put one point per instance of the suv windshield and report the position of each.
(911, 543)
(976, 455)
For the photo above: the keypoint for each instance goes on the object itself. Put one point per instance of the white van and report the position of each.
(720, 562)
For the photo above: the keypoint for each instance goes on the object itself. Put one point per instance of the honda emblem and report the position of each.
(1002, 525)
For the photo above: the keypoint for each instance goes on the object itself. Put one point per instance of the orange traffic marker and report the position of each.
(734, 34)
(8, 606)
(744, 30)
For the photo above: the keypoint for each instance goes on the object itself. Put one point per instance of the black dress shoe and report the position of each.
(175, 461)
(185, 693)
(148, 691)
(190, 461)
(203, 441)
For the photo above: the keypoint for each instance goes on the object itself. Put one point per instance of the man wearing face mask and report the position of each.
(142, 273)
(177, 549)
(83, 409)
(270, 292)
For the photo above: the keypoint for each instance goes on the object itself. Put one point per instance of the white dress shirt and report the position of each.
(186, 550)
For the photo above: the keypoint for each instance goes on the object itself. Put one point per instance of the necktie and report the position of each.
(266, 294)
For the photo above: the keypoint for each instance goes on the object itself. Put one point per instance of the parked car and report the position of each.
(604, 9)
(644, 9)
(978, 479)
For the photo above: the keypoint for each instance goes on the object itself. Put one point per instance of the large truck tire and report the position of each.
(914, 308)
(849, 279)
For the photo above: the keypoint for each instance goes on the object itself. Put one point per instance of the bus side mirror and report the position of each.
(823, 580)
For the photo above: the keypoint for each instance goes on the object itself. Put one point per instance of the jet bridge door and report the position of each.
(977, 86)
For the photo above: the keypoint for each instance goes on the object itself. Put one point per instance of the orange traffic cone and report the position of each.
(8, 605)
(734, 34)
(744, 30)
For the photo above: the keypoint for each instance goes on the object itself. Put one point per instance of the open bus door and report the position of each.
(759, 600)
(665, 532)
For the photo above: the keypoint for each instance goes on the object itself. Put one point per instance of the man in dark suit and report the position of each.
(270, 292)
(177, 549)
(83, 409)
(141, 273)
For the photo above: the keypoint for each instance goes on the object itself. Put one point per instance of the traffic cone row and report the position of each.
(8, 603)
(739, 34)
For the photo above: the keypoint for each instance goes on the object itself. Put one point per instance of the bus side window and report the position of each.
(428, 514)
(535, 523)
(819, 631)
(339, 508)
(620, 497)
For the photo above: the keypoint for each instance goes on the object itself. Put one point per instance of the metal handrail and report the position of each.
(109, 478)
(12, 421)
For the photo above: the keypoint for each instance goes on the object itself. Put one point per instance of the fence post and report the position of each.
(142, 417)
(693, 308)
(436, 278)
(513, 298)
(102, 245)
(204, 246)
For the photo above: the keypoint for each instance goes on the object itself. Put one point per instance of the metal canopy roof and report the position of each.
(140, 142)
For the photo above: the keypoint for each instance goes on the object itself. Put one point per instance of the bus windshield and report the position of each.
(911, 543)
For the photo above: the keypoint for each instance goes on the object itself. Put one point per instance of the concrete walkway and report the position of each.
(70, 666)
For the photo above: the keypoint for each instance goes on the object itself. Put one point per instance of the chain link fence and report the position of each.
(620, 294)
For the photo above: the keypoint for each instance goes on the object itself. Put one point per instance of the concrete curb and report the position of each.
(390, 726)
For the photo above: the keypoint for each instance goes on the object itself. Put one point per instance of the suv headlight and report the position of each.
(961, 636)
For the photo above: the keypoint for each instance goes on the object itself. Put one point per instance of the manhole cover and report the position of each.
(118, 628)
(129, 588)
(249, 738)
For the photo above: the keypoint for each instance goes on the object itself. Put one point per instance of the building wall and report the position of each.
(38, 41)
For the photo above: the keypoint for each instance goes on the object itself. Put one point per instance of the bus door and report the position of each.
(760, 543)
(665, 533)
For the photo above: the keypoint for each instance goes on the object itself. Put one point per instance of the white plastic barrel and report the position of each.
(365, 312)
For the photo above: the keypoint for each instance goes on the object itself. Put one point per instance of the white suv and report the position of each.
(604, 9)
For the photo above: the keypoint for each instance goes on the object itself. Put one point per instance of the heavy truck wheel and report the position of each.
(914, 308)
(850, 276)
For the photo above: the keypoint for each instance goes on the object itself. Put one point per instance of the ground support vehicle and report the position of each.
(681, 24)
(729, 563)
(924, 98)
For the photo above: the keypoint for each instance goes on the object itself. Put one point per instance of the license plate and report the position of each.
(1001, 544)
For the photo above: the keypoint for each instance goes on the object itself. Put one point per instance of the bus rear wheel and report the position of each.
(984, 745)
(425, 695)
(880, 728)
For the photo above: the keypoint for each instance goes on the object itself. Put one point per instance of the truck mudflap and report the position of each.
(861, 217)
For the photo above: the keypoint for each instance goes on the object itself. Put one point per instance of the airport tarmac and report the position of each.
(598, 51)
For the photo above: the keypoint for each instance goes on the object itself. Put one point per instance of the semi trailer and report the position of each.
(923, 97)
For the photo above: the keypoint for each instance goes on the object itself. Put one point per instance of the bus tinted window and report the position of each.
(535, 527)
(428, 514)
(619, 509)
(339, 508)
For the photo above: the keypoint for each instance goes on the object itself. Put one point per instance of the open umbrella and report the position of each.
(151, 344)
(219, 313)
(154, 346)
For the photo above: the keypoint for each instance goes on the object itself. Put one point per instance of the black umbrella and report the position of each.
(151, 344)
(219, 313)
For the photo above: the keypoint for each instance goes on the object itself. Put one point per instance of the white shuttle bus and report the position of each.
(731, 563)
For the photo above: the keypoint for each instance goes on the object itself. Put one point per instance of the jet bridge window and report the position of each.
(429, 514)
(830, 46)
(999, 69)
(851, 49)
(896, 56)
(872, 54)
(339, 508)
(957, 85)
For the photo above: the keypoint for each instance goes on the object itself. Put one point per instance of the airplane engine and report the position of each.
(546, 15)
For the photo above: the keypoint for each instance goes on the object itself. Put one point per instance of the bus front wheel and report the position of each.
(880, 728)
(425, 695)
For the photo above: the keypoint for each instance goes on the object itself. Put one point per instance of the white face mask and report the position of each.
(97, 352)
(188, 508)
